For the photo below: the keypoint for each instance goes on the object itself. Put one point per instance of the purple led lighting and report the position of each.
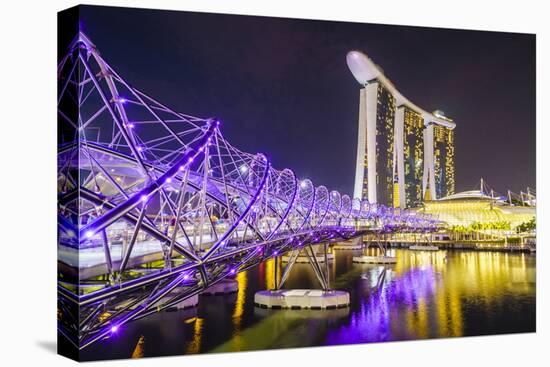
(299, 211)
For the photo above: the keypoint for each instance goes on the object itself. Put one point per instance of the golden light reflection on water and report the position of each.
(194, 345)
(423, 296)
(242, 280)
(482, 277)
(138, 350)
(270, 273)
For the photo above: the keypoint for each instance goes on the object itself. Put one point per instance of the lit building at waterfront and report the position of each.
(405, 155)
(413, 154)
(469, 207)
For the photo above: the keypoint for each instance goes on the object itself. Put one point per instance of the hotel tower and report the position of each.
(405, 155)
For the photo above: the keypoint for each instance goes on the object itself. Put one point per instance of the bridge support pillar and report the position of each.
(383, 258)
(316, 299)
(303, 258)
(297, 299)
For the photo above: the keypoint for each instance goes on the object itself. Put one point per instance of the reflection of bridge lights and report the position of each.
(232, 271)
(114, 329)
(186, 276)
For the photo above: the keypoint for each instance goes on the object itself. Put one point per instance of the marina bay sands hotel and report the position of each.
(405, 155)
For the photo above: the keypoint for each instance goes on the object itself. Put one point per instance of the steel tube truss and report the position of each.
(154, 205)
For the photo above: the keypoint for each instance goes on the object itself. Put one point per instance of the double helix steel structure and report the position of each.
(154, 205)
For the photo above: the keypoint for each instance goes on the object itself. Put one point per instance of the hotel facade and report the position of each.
(405, 155)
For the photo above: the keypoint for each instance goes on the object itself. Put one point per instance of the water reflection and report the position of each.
(424, 295)
(433, 294)
(194, 345)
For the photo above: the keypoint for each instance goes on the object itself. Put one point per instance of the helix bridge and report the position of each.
(155, 206)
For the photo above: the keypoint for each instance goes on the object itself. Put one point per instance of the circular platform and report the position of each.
(304, 259)
(225, 286)
(283, 316)
(423, 248)
(375, 259)
(297, 299)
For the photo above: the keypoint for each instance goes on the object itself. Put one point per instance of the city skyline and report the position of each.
(280, 88)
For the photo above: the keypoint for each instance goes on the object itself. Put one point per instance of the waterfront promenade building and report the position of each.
(405, 155)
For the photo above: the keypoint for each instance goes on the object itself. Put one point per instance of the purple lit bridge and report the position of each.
(155, 206)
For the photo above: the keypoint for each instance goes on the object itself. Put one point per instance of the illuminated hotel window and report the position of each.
(444, 161)
(413, 155)
(385, 118)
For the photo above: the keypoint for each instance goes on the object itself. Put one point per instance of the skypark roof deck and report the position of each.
(365, 70)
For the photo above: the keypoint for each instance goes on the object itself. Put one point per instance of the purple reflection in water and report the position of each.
(372, 321)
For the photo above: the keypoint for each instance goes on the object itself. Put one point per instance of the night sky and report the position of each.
(282, 86)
